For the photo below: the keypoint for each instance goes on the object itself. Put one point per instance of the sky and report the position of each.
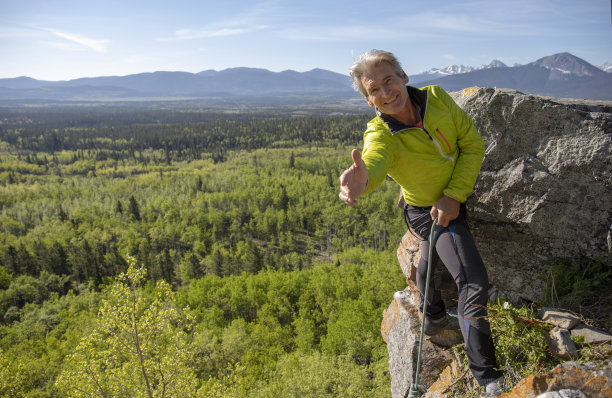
(67, 39)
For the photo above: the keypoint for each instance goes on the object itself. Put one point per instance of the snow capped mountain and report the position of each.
(435, 73)
(566, 64)
(450, 70)
(560, 75)
(561, 66)
(494, 64)
(607, 67)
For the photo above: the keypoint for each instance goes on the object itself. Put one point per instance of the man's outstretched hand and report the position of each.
(354, 180)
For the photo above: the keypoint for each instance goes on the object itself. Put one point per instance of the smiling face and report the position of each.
(387, 90)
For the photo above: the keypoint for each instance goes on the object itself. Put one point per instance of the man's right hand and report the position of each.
(354, 180)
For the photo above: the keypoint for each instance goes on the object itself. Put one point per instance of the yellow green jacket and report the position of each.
(442, 158)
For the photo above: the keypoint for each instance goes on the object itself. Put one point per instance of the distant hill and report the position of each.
(559, 75)
(229, 82)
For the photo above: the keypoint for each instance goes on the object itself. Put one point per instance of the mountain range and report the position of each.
(435, 73)
(559, 75)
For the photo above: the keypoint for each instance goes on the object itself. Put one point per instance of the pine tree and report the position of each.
(118, 207)
(283, 201)
(62, 214)
(133, 208)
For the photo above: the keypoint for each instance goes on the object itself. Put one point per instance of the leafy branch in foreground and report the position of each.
(138, 349)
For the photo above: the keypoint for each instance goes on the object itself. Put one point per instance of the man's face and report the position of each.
(386, 90)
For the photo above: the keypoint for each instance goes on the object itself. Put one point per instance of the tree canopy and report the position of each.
(167, 252)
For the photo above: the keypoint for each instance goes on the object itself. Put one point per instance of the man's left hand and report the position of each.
(447, 209)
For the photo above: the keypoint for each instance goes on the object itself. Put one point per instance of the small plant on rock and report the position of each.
(520, 342)
(520, 346)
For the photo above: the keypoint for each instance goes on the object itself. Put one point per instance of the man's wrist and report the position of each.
(450, 197)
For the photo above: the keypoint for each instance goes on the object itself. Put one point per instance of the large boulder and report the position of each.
(544, 189)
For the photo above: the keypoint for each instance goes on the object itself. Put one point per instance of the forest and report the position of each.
(182, 249)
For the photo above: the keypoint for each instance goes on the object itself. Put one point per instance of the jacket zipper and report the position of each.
(439, 147)
(431, 138)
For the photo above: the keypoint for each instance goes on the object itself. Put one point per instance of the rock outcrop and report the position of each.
(587, 379)
(543, 195)
(544, 190)
(401, 330)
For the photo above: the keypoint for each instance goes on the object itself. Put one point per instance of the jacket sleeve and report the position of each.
(471, 152)
(377, 155)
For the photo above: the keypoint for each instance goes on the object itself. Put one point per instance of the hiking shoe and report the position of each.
(495, 387)
(434, 326)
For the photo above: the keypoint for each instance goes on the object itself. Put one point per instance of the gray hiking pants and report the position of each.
(456, 248)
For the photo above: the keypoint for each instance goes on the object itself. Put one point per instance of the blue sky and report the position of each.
(61, 39)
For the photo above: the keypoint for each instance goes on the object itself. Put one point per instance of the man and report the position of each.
(430, 147)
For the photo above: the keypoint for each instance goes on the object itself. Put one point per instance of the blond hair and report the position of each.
(372, 58)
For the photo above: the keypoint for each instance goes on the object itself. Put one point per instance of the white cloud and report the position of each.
(206, 33)
(240, 24)
(478, 18)
(61, 45)
(490, 19)
(100, 46)
(338, 33)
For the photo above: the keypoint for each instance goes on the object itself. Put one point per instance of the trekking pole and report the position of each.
(417, 390)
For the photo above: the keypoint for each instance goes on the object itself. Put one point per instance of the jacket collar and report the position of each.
(419, 100)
